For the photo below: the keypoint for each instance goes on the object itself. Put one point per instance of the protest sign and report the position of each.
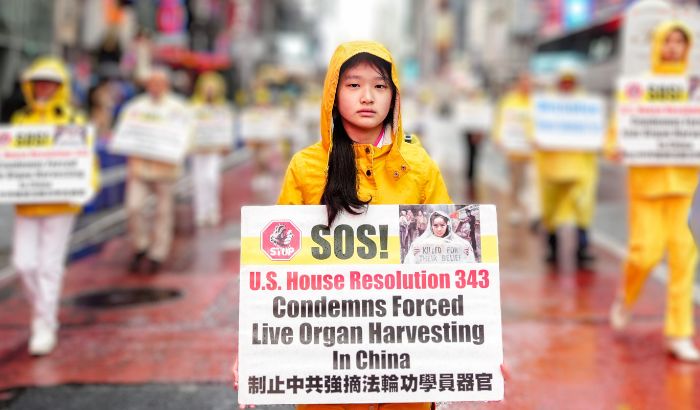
(213, 127)
(656, 124)
(155, 134)
(515, 128)
(46, 164)
(334, 316)
(263, 124)
(474, 115)
(575, 122)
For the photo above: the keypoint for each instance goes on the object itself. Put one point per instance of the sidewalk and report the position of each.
(177, 353)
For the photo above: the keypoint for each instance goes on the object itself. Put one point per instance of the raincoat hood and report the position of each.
(209, 80)
(342, 54)
(47, 69)
(658, 66)
(429, 232)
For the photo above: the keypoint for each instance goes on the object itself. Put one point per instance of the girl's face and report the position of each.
(364, 100)
(43, 90)
(439, 227)
(674, 48)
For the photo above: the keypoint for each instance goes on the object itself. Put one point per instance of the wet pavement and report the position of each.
(120, 350)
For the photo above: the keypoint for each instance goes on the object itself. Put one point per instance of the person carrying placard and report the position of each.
(209, 96)
(363, 157)
(146, 177)
(567, 182)
(42, 231)
(659, 203)
(512, 134)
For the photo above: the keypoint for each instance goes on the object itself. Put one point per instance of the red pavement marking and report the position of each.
(559, 349)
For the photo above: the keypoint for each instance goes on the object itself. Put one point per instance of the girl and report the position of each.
(362, 157)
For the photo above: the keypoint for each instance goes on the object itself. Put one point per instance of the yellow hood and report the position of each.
(209, 80)
(51, 69)
(342, 54)
(660, 33)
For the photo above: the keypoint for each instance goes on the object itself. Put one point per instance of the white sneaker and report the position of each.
(43, 339)
(683, 349)
(619, 315)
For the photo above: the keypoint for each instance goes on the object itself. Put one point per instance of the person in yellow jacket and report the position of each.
(42, 231)
(363, 157)
(659, 203)
(514, 116)
(567, 181)
(209, 93)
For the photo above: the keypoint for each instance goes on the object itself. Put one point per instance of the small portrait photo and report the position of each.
(70, 136)
(437, 234)
(694, 89)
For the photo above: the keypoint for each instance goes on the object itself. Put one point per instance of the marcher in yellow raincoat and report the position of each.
(42, 231)
(521, 174)
(362, 157)
(567, 181)
(659, 203)
(209, 93)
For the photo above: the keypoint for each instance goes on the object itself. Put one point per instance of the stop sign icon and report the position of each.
(280, 240)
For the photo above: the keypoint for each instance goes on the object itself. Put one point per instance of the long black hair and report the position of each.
(340, 193)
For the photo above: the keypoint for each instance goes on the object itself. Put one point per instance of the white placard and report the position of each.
(46, 164)
(214, 127)
(574, 122)
(333, 316)
(161, 135)
(515, 128)
(262, 124)
(656, 125)
(474, 115)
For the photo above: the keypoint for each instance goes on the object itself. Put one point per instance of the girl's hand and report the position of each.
(235, 383)
(505, 372)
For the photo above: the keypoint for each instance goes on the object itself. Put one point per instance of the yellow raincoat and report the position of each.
(567, 181)
(399, 173)
(660, 199)
(214, 81)
(57, 110)
(513, 100)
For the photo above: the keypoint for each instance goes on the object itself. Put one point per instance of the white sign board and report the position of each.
(262, 124)
(575, 122)
(155, 135)
(474, 115)
(334, 316)
(656, 124)
(214, 127)
(46, 164)
(515, 128)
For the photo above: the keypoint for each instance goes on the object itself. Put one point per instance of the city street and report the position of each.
(168, 341)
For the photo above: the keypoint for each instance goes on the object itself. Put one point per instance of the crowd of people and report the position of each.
(363, 157)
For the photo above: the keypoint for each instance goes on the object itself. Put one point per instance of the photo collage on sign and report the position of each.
(439, 234)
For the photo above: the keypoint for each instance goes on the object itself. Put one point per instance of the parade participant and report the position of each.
(567, 181)
(209, 94)
(42, 231)
(659, 203)
(362, 157)
(516, 106)
(150, 176)
(440, 233)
